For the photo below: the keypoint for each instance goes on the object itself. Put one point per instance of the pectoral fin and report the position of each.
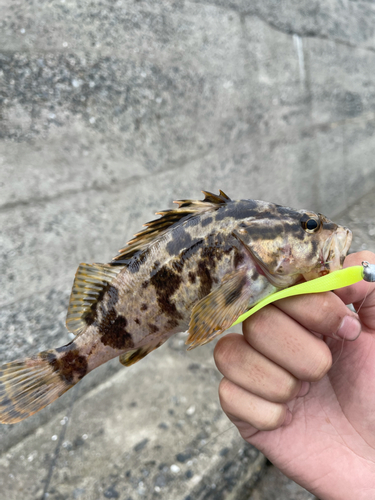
(217, 311)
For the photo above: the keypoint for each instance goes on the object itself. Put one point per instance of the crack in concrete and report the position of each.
(285, 31)
(69, 192)
(114, 187)
(56, 453)
(309, 34)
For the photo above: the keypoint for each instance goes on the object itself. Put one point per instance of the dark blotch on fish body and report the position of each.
(206, 221)
(254, 275)
(91, 315)
(178, 265)
(238, 258)
(329, 226)
(137, 260)
(265, 232)
(211, 254)
(240, 210)
(221, 214)
(166, 282)
(284, 211)
(314, 248)
(215, 249)
(295, 230)
(205, 279)
(114, 332)
(193, 249)
(172, 323)
(181, 241)
(192, 277)
(69, 366)
(193, 221)
(112, 326)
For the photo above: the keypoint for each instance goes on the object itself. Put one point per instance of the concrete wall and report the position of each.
(111, 109)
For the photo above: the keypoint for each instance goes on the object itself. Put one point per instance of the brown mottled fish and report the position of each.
(197, 267)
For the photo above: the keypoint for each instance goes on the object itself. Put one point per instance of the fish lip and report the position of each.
(348, 242)
(336, 248)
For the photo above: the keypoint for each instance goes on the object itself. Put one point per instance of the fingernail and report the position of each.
(349, 329)
(288, 417)
(305, 387)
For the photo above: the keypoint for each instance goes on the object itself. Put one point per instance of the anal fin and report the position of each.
(131, 357)
(218, 310)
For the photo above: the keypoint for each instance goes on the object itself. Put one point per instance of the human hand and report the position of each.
(313, 419)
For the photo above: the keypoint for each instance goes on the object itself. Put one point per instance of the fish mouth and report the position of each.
(335, 250)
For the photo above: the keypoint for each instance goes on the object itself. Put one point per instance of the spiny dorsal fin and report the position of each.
(90, 282)
(155, 228)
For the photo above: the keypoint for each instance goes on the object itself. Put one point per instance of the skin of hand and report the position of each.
(304, 396)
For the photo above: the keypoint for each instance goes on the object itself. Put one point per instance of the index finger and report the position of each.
(323, 313)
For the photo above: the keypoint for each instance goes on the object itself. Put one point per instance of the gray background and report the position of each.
(109, 110)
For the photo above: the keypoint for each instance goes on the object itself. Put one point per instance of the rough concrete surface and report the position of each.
(109, 110)
(143, 433)
(275, 486)
(152, 431)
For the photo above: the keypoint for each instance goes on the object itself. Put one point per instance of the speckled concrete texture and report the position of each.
(275, 486)
(109, 110)
(148, 432)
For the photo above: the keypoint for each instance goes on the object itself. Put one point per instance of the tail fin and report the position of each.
(30, 384)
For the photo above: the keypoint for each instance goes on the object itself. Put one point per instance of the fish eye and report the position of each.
(310, 224)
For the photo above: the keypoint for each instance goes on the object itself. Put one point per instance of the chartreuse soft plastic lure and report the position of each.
(332, 281)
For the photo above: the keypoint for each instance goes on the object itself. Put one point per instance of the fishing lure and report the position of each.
(332, 281)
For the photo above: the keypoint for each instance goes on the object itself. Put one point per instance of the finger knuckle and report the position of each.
(328, 310)
(225, 351)
(273, 419)
(333, 316)
(258, 322)
(225, 392)
(286, 390)
(319, 365)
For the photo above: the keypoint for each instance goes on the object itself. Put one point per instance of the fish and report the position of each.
(197, 267)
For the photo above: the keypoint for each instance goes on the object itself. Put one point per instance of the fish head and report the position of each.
(289, 246)
(335, 241)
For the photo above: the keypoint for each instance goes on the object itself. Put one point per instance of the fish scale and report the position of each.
(198, 267)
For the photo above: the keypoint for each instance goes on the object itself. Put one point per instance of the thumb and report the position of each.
(355, 294)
